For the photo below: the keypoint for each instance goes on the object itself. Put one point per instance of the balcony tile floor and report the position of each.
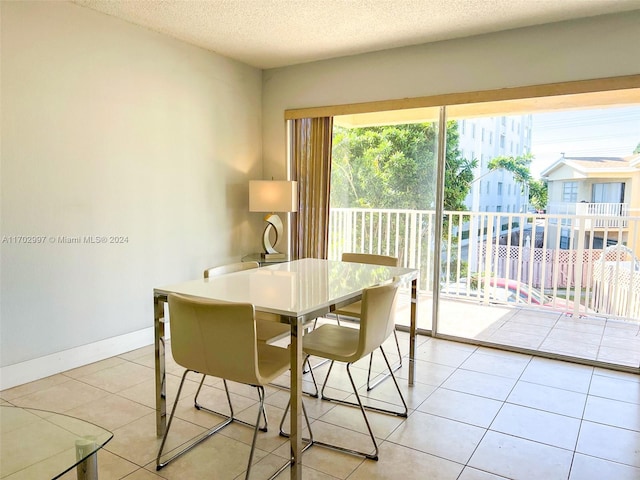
(590, 338)
(476, 413)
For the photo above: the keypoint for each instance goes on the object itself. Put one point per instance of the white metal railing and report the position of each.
(602, 214)
(542, 260)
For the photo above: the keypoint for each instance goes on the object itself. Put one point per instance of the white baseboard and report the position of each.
(24, 372)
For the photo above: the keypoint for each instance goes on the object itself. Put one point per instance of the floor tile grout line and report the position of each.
(487, 429)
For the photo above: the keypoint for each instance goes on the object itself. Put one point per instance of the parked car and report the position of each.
(504, 290)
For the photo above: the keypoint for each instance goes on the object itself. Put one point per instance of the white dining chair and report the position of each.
(219, 339)
(268, 326)
(348, 345)
(353, 310)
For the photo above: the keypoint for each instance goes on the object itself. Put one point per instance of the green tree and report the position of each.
(393, 166)
(517, 166)
(538, 194)
(637, 149)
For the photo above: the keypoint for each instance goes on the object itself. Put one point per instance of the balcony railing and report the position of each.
(601, 215)
(557, 261)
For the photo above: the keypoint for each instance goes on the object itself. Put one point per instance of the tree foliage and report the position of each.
(538, 194)
(394, 166)
(637, 149)
(517, 166)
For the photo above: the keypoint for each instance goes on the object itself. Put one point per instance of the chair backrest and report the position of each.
(378, 316)
(230, 268)
(214, 338)
(372, 259)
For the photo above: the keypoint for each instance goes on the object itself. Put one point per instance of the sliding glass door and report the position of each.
(532, 241)
(383, 192)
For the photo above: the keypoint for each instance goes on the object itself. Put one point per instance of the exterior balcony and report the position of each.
(562, 284)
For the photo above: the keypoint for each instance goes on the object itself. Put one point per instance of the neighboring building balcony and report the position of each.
(594, 215)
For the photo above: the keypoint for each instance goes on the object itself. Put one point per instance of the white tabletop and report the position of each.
(296, 288)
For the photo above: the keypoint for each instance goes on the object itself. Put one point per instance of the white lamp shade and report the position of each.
(273, 196)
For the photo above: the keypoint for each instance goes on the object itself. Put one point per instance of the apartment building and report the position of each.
(484, 139)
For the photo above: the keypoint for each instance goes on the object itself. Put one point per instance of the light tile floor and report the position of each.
(475, 414)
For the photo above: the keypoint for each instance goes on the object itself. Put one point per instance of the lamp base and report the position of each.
(273, 256)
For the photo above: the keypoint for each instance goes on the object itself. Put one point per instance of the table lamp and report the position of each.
(272, 196)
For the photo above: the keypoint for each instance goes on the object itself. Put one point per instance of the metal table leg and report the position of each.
(159, 339)
(412, 331)
(296, 398)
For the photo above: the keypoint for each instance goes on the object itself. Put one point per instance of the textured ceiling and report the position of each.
(274, 33)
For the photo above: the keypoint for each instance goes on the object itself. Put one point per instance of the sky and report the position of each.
(607, 132)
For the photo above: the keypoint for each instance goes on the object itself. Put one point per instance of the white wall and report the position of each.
(111, 129)
(597, 47)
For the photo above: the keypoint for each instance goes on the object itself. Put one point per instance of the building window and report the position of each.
(464, 125)
(473, 130)
(490, 138)
(508, 208)
(502, 138)
(509, 190)
(488, 187)
(607, 192)
(570, 192)
(482, 134)
(499, 188)
(499, 208)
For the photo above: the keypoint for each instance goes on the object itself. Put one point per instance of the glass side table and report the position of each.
(257, 257)
(42, 444)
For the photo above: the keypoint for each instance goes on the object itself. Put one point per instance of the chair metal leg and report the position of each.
(309, 440)
(306, 418)
(395, 381)
(195, 398)
(313, 377)
(371, 456)
(206, 435)
(396, 367)
(310, 370)
(366, 420)
(403, 414)
(228, 419)
(232, 415)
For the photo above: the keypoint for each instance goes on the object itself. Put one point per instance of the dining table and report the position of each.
(297, 291)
